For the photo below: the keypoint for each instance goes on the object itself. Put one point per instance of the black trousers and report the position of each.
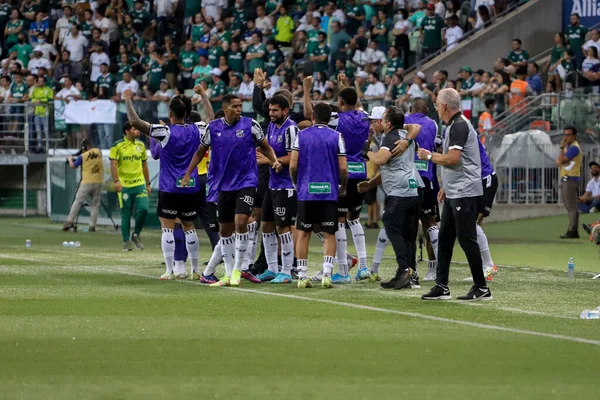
(459, 219)
(401, 222)
(203, 213)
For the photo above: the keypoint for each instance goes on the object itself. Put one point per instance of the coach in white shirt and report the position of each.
(590, 201)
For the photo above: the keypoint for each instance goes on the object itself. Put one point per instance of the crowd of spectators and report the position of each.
(97, 49)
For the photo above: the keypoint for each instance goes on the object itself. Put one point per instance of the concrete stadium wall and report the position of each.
(512, 212)
(534, 23)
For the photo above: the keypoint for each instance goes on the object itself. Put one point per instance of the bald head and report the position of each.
(419, 106)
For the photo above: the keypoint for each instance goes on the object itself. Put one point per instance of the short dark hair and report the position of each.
(177, 107)
(489, 102)
(227, 99)
(521, 71)
(195, 116)
(395, 117)
(219, 114)
(127, 127)
(444, 72)
(572, 129)
(87, 144)
(348, 96)
(322, 113)
(279, 100)
(518, 41)
(535, 65)
(188, 104)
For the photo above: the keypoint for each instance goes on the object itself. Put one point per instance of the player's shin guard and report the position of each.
(215, 259)
(358, 235)
(327, 265)
(168, 248)
(342, 244)
(270, 243)
(484, 248)
(192, 247)
(252, 242)
(287, 252)
(228, 249)
(433, 238)
(382, 241)
(241, 247)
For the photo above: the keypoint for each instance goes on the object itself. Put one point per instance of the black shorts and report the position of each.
(370, 196)
(235, 202)
(352, 202)
(280, 206)
(178, 205)
(429, 206)
(212, 217)
(490, 186)
(264, 175)
(321, 213)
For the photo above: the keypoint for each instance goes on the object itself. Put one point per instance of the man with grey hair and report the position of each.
(461, 176)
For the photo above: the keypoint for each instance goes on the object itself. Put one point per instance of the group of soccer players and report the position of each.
(312, 186)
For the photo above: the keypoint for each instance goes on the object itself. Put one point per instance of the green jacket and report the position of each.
(43, 95)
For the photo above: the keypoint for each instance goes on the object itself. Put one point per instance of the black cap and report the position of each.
(592, 163)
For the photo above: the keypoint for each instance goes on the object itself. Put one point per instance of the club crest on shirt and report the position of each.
(279, 139)
(239, 133)
(138, 148)
(219, 134)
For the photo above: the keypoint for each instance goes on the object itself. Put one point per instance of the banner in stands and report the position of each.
(85, 112)
(588, 10)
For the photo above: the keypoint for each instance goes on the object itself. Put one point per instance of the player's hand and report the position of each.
(422, 154)
(128, 94)
(441, 196)
(118, 187)
(199, 90)
(363, 186)
(342, 191)
(259, 77)
(149, 189)
(277, 166)
(163, 123)
(185, 181)
(261, 159)
(307, 84)
(401, 146)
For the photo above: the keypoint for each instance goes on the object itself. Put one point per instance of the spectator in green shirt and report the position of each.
(141, 18)
(394, 62)
(255, 54)
(576, 36)
(380, 31)
(188, 59)
(12, 29)
(197, 28)
(223, 36)
(105, 83)
(355, 15)
(23, 49)
(320, 55)
(431, 32)
(518, 57)
(201, 71)
(19, 93)
(235, 58)
(285, 27)
(274, 58)
(218, 89)
(41, 96)
(214, 52)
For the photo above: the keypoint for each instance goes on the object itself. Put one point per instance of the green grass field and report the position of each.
(94, 323)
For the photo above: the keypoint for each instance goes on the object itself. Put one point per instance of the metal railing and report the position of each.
(467, 35)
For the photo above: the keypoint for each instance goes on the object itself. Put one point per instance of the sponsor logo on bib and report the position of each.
(356, 167)
(319, 188)
(191, 184)
(421, 165)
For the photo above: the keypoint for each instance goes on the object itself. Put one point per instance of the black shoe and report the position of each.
(570, 235)
(587, 228)
(413, 282)
(389, 284)
(294, 273)
(437, 293)
(476, 294)
(403, 278)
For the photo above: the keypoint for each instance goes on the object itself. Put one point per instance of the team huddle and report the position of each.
(316, 180)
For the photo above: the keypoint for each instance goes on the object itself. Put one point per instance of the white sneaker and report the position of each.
(431, 272)
(182, 275)
(316, 277)
(593, 210)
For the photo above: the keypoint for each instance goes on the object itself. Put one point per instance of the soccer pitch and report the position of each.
(94, 322)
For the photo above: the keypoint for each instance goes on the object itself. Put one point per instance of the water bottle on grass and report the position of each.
(571, 268)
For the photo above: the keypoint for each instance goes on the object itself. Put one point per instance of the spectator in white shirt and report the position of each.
(375, 91)
(103, 24)
(75, 44)
(364, 54)
(163, 96)
(212, 8)
(416, 89)
(68, 92)
(594, 41)
(38, 61)
(246, 87)
(165, 8)
(440, 8)
(63, 26)
(97, 58)
(263, 22)
(46, 47)
(490, 4)
(453, 32)
(590, 201)
(128, 83)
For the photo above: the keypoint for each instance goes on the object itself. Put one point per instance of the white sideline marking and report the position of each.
(368, 308)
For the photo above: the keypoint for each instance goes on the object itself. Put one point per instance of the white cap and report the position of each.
(216, 72)
(421, 75)
(376, 113)
(38, 48)
(362, 74)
